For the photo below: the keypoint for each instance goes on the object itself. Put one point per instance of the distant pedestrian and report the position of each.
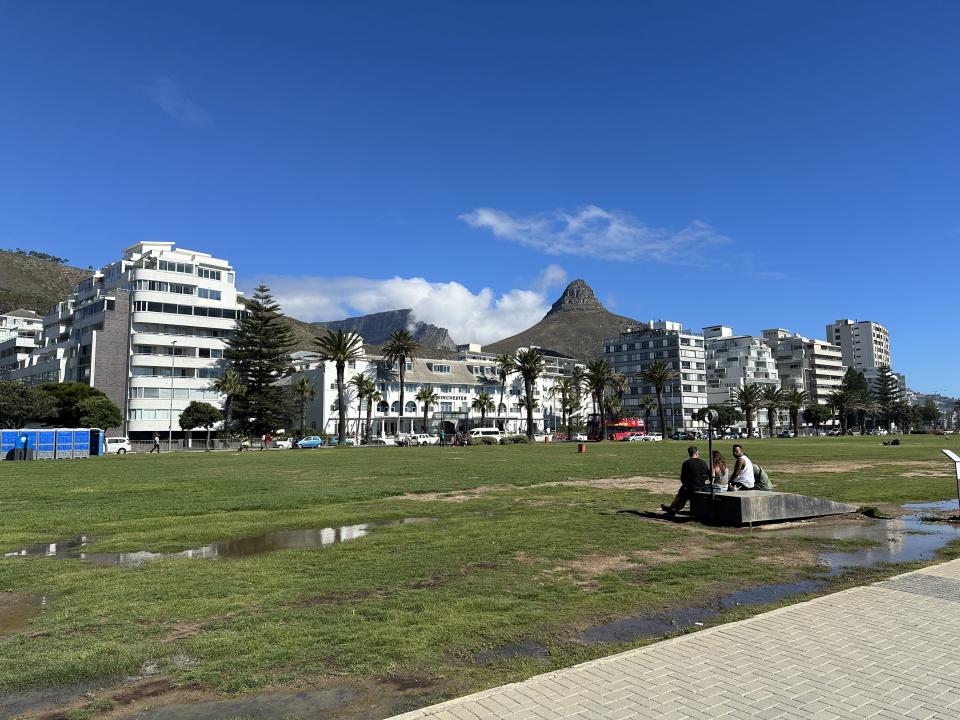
(442, 437)
(156, 444)
(267, 441)
(741, 477)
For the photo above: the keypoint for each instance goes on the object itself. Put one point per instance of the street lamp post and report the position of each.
(173, 364)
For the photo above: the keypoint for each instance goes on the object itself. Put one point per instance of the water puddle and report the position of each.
(75, 548)
(898, 540)
(525, 648)
(18, 609)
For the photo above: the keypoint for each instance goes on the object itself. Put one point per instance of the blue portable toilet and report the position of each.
(8, 442)
(46, 445)
(64, 443)
(98, 442)
(81, 443)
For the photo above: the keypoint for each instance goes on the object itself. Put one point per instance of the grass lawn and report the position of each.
(523, 543)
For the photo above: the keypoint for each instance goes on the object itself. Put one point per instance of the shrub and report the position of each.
(519, 439)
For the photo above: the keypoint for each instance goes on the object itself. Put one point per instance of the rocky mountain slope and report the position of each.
(376, 328)
(576, 325)
(34, 283)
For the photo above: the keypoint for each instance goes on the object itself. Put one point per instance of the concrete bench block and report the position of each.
(757, 506)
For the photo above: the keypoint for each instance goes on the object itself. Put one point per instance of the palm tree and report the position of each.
(304, 392)
(505, 366)
(230, 387)
(599, 374)
(795, 400)
(397, 350)
(659, 374)
(747, 399)
(428, 397)
(840, 400)
(483, 403)
(363, 386)
(529, 363)
(532, 404)
(564, 390)
(648, 405)
(772, 398)
(373, 397)
(340, 347)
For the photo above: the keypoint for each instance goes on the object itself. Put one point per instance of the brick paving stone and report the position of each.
(889, 650)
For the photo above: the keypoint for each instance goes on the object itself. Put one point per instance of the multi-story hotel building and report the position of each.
(683, 350)
(148, 330)
(456, 378)
(813, 366)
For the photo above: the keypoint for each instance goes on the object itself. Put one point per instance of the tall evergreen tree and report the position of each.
(259, 352)
(888, 394)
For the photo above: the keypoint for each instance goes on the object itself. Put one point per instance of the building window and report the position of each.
(208, 273)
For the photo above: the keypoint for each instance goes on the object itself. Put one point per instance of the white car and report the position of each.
(118, 445)
(382, 441)
(579, 437)
(650, 437)
(421, 439)
(283, 444)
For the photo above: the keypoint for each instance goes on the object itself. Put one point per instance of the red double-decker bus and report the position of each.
(619, 429)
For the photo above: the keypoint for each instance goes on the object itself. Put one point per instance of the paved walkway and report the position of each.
(888, 650)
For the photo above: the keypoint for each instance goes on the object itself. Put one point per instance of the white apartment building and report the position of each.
(149, 330)
(734, 361)
(20, 333)
(683, 350)
(865, 344)
(456, 378)
(813, 366)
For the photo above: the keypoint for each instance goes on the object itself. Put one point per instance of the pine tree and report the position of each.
(888, 394)
(259, 352)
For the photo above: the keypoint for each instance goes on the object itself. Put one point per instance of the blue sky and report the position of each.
(753, 163)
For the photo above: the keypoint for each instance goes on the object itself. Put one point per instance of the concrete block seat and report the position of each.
(746, 507)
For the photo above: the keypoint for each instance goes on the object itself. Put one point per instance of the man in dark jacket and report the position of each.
(694, 475)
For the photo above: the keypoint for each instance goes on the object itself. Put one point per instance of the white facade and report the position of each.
(20, 333)
(149, 330)
(456, 378)
(865, 344)
(813, 366)
(734, 361)
(683, 350)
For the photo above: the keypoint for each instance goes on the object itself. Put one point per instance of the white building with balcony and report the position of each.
(457, 378)
(149, 330)
(813, 366)
(734, 361)
(20, 333)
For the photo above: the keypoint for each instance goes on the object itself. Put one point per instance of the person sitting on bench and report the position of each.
(694, 475)
(741, 478)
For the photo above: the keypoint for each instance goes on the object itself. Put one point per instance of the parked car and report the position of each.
(118, 445)
(684, 435)
(333, 442)
(381, 441)
(422, 439)
(786, 434)
(310, 441)
(636, 437)
(283, 443)
(578, 437)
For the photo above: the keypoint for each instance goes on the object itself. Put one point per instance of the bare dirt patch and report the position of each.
(637, 482)
(925, 473)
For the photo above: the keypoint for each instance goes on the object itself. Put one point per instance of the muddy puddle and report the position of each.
(75, 548)
(898, 540)
(18, 609)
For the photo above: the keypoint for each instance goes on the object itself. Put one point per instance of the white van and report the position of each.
(118, 445)
(486, 432)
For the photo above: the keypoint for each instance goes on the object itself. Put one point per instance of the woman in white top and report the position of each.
(741, 478)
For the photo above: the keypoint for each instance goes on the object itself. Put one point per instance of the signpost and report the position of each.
(956, 461)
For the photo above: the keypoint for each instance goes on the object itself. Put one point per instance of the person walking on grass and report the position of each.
(741, 477)
(694, 475)
(156, 444)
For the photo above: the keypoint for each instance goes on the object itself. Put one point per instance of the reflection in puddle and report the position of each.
(900, 540)
(18, 609)
(75, 548)
(939, 506)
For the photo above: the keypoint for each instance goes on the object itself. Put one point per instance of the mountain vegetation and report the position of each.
(34, 280)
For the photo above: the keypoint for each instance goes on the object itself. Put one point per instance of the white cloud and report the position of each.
(594, 232)
(469, 316)
(166, 94)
